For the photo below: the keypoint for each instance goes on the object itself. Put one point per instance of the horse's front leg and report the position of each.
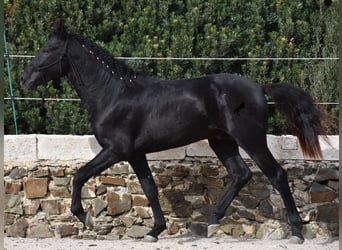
(143, 172)
(101, 162)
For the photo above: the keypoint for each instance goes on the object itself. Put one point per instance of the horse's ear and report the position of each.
(60, 29)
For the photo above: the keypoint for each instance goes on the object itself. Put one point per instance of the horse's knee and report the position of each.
(243, 177)
(78, 179)
(238, 171)
(279, 179)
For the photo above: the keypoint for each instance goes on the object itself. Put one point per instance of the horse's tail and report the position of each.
(303, 117)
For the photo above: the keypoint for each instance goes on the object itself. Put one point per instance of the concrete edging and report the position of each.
(36, 147)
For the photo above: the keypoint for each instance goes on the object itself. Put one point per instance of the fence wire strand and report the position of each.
(207, 58)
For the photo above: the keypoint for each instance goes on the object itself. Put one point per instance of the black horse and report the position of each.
(133, 114)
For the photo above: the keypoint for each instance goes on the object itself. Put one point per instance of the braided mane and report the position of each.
(117, 67)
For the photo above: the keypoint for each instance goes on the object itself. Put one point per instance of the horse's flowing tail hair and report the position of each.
(303, 117)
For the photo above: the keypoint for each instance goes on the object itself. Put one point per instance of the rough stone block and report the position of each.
(127, 220)
(18, 173)
(43, 172)
(9, 219)
(259, 190)
(140, 200)
(134, 187)
(213, 195)
(162, 180)
(142, 212)
(89, 190)
(212, 182)
(248, 214)
(31, 206)
(196, 201)
(198, 229)
(274, 230)
(12, 187)
(248, 201)
(60, 192)
(195, 189)
(13, 204)
(57, 172)
(173, 228)
(210, 170)
(169, 198)
(63, 230)
(99, 206)
(180, 170)
(334, 185)
(325, 174)
(321, 193)
(118, 203)
(61, 181)
(18, 229)
(249, 230)
(51, 207)
(103, 229)
(115, 181)
(137, 232)
(39, 230)
(118, 169)
(183, 209)
(266, 209)
(311, 230)
(101, 189)
(35, 187)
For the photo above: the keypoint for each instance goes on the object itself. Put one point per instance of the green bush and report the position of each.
(188, 28)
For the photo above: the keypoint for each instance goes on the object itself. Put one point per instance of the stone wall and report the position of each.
(39, 170)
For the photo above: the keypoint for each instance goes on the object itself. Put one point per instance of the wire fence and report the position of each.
(206, 58)
(13, 98)
(182, 59)
(78, 100)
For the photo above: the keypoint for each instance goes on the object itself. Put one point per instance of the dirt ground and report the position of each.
(168, 242)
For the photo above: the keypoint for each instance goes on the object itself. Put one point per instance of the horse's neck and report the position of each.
(90, 79)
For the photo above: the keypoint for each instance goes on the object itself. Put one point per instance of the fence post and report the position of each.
(8, 62)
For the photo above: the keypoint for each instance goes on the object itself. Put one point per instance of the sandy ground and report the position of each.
(168, 242)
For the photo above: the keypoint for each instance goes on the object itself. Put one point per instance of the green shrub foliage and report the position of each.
(178, 28)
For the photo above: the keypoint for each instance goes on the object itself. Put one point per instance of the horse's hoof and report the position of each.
(89, 222)
(150, 238)
(212, 229)
(296, 240)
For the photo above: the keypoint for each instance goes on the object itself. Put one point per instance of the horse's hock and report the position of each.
(39, 171)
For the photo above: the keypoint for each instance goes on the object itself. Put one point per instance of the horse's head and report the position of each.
(51, 61)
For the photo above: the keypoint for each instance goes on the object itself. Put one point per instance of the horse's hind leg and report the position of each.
(228, 153)
(143, 172)
(253, 141)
